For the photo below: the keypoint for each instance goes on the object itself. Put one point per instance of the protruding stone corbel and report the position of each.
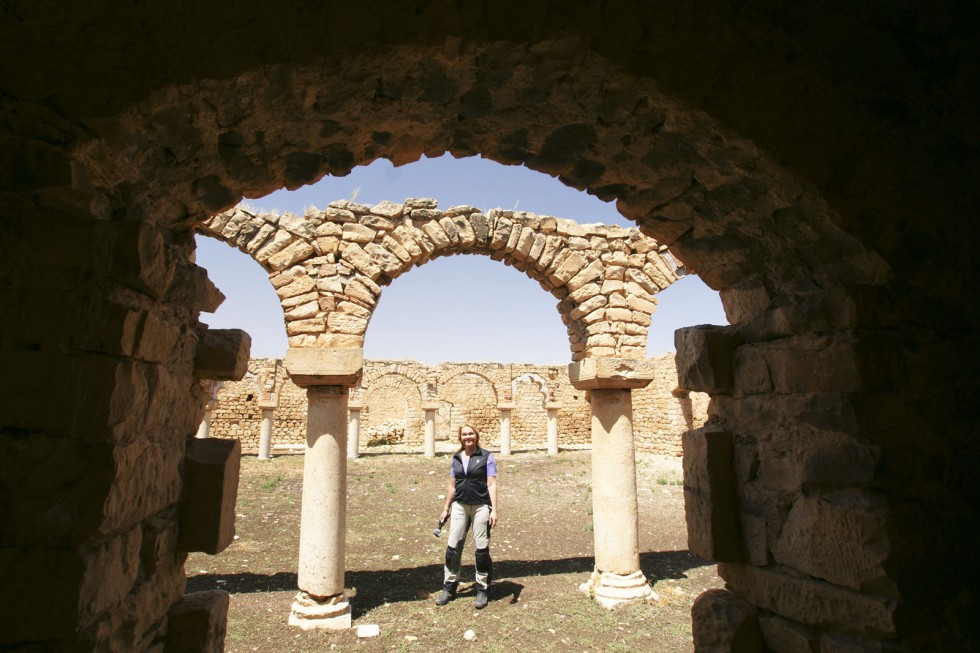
(709, 495)
(222, 354)
(207, 515)
(704, 358)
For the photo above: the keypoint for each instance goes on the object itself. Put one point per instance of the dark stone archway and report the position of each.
(815, 164)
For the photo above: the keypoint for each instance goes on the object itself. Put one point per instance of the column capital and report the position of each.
(355, 405)
(308, 367)
(552, 405)
(506, 405)
(271, 402)
(602, 373)
(431, 406)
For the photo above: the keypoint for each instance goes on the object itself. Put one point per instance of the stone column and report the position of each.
(429, 445)
(505, 410)
(354, 431)
(552, 408)
(617, 577)
(268, 407)
(204, 430)
(327, 374)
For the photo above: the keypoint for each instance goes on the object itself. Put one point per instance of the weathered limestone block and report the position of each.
(722, 622)
(280, 241)
(808, 364)
(590, 272)
(779, 634)
(437, 234)
(325, 366)
(139, 256)
(391, 264)
(845, 464)
(198, 622)
(357, 289)
(260, 238)
(311, 325)
(514, 238)
(298, 300)
(464, 230)
(339, 214)
(611, 373)
(812, 602)
(567, 268)
(704, 358)
(222, 354)
(388, 209)
(537, 247)
(299, 286)
(395, 248)
(841, 538)
(207, 513)
(501, 232)
(191, 287)
(296, 225)
(524, 242)
(569, 227)
(585, 293)
(551, 246)
(587, 307)
(362, 261)
(709, 495)
(303, 311)
(339, 322)
(404, 236)
(481, 228)
(358, 233)
(157, 338)
(292, 254)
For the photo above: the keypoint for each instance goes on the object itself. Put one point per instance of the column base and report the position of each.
(332, 613)
(610, 590)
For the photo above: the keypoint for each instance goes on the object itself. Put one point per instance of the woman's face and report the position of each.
(468, 437)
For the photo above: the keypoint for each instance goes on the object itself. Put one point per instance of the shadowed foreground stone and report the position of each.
(198, 623)
(724, 623)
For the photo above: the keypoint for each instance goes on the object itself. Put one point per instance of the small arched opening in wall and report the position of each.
(529, 422)
(392, 412)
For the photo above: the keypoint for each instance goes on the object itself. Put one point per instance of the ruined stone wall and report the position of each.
(392, 394)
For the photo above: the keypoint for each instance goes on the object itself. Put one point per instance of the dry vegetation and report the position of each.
(541, 548)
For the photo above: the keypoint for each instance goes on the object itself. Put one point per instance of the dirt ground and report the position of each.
(542, 551)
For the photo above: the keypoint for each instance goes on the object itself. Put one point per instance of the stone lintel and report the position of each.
(506, 406)
(612, 373)
(313, 367)
(222, 355)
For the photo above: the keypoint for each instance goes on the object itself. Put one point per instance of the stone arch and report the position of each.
(481, 397)
(393, 396)
(328, 267)
(529, 418)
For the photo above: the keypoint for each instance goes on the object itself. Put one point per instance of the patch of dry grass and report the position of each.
(542, 551)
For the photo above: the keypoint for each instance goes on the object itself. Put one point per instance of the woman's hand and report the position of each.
(443, 516)
(493, 517)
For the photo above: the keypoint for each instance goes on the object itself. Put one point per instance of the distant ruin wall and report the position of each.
(393, 393)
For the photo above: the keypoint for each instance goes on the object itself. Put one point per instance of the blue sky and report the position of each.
(458, 308)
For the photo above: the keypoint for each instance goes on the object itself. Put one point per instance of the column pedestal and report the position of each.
(505, 411)
(329, 614)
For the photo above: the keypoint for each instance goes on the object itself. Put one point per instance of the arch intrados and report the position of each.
(370, 385)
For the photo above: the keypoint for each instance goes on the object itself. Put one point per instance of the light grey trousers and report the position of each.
(462, 517)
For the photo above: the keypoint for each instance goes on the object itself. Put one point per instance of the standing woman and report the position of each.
(472, 499)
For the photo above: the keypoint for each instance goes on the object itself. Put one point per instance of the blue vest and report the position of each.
(471, 487)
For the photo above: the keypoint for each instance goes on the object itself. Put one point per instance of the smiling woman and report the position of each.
(455, 308)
